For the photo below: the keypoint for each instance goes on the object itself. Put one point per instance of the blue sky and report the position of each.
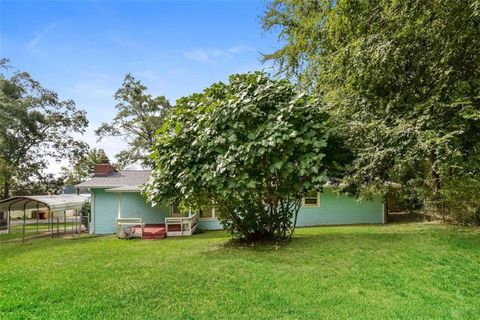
(83, 49)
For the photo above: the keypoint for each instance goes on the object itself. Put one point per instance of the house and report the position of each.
(116, 202)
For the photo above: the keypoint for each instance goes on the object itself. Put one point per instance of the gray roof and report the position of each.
(117, 179)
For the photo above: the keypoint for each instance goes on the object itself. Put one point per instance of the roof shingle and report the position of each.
(117, 179)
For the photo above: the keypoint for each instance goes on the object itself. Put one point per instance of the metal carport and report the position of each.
(54, 203)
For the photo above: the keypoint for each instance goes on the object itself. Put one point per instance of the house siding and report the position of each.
(209, 225)
(333, 209)
(105, 206)
(133, 206)
(91, 223)
(340, 209)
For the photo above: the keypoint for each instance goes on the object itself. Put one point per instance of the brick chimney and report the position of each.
(103, 169)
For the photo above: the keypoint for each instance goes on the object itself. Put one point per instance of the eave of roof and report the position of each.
(125, 189)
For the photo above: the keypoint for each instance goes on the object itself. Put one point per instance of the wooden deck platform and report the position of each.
(157, 231)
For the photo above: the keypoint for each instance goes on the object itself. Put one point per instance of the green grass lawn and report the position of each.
(16, 231)
(423, 271)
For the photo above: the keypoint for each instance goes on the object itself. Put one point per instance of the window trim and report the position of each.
(310, 205)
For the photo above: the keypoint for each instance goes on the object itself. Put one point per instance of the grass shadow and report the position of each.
(364, 237)
(258, 245)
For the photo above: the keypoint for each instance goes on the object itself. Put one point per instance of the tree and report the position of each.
(83, 167)
(402, 81)
(45, 184)
(138, 116)
(37, 127)
(252, 148)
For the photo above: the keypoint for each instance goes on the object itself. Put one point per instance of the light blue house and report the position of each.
(116, 200)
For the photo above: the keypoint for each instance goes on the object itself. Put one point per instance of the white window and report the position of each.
(311, 199)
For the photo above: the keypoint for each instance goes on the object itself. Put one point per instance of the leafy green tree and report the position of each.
(83, 167)
(252, 148)
(37, 127)
(401, 79)
(138, 116)
(45, 184)
(85, 213)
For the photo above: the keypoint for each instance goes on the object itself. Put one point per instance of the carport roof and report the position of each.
(53, 202)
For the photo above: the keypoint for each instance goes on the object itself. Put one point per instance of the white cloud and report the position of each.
(122, 40)
(33, 44)
(149, 75)
(94, 87)
(92, 90)
(214, 54)
(239, 49)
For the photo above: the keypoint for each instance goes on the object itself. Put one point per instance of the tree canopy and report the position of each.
(401, 79)
(139, 115)
(252, 148)
(37, 127)
(83, 167)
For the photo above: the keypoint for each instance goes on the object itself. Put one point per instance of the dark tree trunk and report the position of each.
(436, 186)
(6, 190)
(435, 177)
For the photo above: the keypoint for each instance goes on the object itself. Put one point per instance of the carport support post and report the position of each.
(24, 217)
(80, 221)
(9, 212)
(50, 214)
(37, 215)
(8, 221)
(23, 228)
